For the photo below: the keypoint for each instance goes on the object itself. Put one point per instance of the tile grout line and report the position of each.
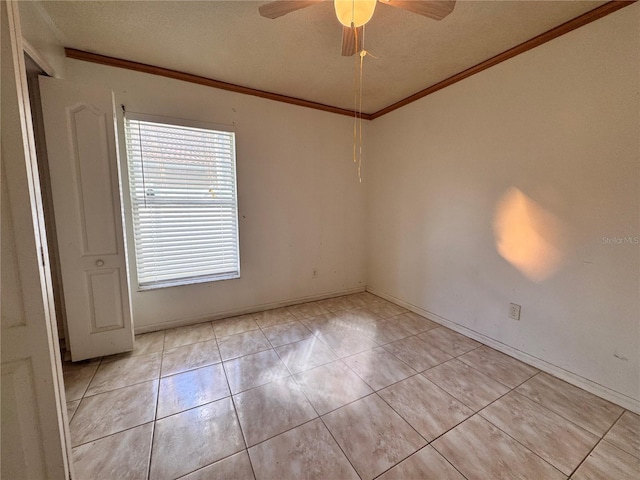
(81, 399)
(230, 396)
(340, 359)
(429, 442)
(84, 394)
(490, 376)
(448, 461)
(155, 414)
(595, 446)
(235, 411)
(338, 443)
(113, 434)
(506, 433)
(561, 414)
(374, 392)
(636, 454)
(160, 377)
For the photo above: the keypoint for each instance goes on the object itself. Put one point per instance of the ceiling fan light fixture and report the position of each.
(354, 12)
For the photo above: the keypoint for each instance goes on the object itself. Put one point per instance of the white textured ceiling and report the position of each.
(299, 54)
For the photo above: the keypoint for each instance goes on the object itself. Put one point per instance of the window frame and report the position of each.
(132, 203)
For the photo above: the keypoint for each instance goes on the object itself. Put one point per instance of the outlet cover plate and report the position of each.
(514, 311)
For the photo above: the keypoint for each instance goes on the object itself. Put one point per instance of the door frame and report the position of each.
(42, 290)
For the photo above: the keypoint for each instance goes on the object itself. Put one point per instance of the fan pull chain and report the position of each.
(355, 98)
(357, 108)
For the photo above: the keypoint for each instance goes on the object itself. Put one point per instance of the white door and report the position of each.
(35, 436)
(81, 147)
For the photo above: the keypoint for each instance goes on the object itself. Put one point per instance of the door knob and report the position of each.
(100, 263)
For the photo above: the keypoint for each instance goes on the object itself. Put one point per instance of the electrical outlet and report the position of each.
(514, 311)
(314, 273)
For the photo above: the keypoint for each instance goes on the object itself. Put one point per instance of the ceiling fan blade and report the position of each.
(436, 9)
(351, 41)
(282, 7)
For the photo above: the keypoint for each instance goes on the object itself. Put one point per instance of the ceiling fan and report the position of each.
(353, 14)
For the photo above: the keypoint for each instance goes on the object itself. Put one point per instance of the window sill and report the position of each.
(187, 282)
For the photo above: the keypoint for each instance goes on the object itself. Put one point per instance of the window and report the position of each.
(182, 180)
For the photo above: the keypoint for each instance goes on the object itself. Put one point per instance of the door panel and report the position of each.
(79, 129)
(104, 293)
(88, 135)
(35, 437)
(18, 428)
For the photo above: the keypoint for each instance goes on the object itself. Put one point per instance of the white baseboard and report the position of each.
(590, 386)
(183, 322)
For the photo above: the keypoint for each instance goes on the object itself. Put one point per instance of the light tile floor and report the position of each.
(345, 388)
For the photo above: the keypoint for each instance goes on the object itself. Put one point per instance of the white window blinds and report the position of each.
(182, 181)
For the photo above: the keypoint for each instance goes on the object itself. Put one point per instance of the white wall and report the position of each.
(561, 124)
(301, 206)
(39, 31)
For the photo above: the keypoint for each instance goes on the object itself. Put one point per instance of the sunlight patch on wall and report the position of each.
(528, 236)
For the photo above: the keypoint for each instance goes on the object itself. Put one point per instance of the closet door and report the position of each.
(81, 146)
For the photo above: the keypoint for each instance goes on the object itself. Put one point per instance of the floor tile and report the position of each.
(72, 406)
(271, 409)
(425, 406)
(338, 304)
(383, 332)
(357, 316)
(272, 317)
(254, 370)
(451, 342)
(306, 354)
(481, 451)
(379, 368)
(413, 322)
(234, 325)
(331, 386)
(188, 357)
(582, 408)
(426, 464)
(121, 371)
(607, 462)
(148, 343)
(286, 333)
(235, 467)
(306, 310)
(503, 368)
(558, 441)
(77, 377)
(385, 309)
(625, 434)
(307, 451)
(177, 337)
(327, 322)
(191, 389)
(416, 353)
(124, 455)
(344, 343)
(243, 344)
(467, 385)
(114, 411)
(372, 435)
(283, 370)
(193, 439)
(364, 298)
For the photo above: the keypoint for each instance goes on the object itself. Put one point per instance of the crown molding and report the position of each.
(580, 21)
